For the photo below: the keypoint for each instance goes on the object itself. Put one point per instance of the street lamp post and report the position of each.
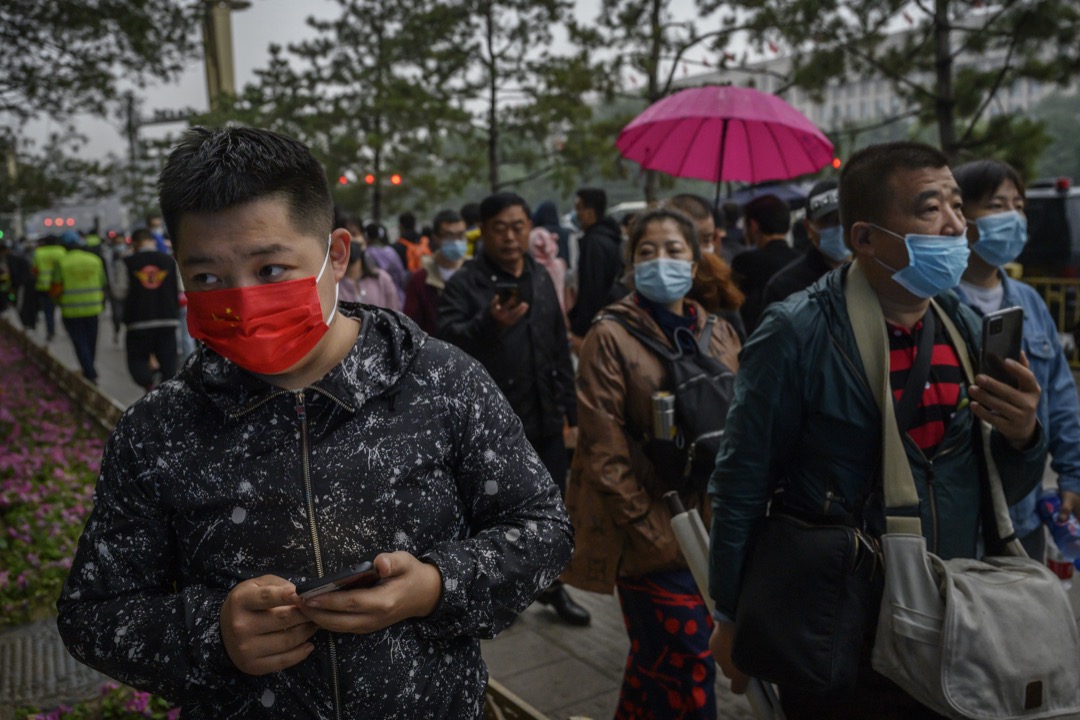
(217, 46)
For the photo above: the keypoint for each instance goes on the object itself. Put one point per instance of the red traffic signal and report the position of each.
(48, 222)
(343, 180)
(395, 179)
(369, 179)
(836, 162)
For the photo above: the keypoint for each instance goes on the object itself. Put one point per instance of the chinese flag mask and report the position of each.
(265, 329)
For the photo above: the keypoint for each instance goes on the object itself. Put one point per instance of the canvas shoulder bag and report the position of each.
(989, 639)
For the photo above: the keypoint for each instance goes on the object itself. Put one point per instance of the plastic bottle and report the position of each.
(1066, 533)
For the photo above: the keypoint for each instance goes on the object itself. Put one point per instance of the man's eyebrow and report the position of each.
(198, 260)
(928, 195)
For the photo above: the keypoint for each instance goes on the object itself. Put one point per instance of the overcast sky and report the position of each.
(254, 30)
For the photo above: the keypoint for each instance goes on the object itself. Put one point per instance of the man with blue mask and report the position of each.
(993, 194)
(804, 431)
(425, 286)
(827, 250)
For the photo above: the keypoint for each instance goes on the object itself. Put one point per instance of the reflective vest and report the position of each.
(45, 259)
(81, 276)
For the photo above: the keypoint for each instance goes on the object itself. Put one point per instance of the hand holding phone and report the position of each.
(358, 576)
(507, 292)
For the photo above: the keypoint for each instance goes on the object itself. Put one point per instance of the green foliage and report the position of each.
(952, 62)
(1061, 118)
(65, 56)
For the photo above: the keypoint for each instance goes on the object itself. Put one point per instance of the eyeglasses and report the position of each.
(501, 228)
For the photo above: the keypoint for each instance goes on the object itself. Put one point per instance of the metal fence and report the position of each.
(1062, 297)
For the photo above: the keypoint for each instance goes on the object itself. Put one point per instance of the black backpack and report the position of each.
(703, 388)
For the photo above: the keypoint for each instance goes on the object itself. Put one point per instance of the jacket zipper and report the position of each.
(301, 413)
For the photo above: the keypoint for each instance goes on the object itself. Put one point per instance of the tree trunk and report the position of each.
(945, 102)
(652, 178)
(493, 98)
(376, 189)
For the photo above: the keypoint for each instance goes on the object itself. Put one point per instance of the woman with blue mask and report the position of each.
(624, 537)
(993, 195)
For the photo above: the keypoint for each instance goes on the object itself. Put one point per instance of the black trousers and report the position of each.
(552, 452)
(83, 333)
(141, 344)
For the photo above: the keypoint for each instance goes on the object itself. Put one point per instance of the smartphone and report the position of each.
(507, 292)
(358, 576)
(1002, 333)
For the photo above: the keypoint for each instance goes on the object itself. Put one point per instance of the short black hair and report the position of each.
(212, 170)
(865, 192)
(980, 178)
(771, 214)
(141, 235)
(375, 233)
(642, 221)
(595, 199)
(693, 206)
(407, 221)
(470, 213)
(492, 205)
(444, 217)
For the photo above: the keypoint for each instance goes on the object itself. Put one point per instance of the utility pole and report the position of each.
(13, 179)
(218, 49)
(131, 129)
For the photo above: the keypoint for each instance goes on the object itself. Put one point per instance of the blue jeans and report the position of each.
(45, 302)
(83, 333)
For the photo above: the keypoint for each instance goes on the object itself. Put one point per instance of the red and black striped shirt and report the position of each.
(944, 392)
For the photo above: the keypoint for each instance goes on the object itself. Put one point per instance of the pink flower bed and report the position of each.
(49, 460)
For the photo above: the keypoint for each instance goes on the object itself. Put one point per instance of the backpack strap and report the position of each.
(649, 342)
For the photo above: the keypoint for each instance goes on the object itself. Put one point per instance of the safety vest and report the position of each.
(45, 259)
(81, 275)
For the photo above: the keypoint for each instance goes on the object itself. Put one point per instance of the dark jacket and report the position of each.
(530, 362)
(752, 270)
(805, 422)
(152, 291)
(797, 275)
(405, 445)
(600, 264)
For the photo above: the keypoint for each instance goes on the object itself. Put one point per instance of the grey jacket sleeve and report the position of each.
(519, 537)
(123, 609)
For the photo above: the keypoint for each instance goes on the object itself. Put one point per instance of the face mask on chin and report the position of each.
(265, 329)
(935, 263)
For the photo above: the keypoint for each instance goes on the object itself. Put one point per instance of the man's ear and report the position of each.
(340, 247)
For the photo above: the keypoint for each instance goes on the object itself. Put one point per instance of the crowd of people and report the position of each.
(488, 416)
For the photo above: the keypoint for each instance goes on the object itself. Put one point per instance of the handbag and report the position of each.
(808, 596)
(989, 639)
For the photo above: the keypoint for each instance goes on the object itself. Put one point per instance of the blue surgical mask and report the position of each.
(935, 263)
(1001, 237)
(664, 280)
(832, 244)
(453, 250)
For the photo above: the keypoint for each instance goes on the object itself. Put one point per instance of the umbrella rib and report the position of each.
(690, 145)
(780, 152)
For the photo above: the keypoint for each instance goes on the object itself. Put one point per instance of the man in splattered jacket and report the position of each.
(303, 438)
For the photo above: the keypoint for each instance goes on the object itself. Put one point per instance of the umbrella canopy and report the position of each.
(723, 134)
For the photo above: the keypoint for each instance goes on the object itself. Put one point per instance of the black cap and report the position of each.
(824, 198)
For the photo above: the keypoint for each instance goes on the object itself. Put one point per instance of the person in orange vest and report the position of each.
(410, 245)
(78, 283)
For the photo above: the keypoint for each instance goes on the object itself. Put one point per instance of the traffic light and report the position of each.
(369, 179)
(48, 222)
(836, 162)
(395, 179)
(343, 180)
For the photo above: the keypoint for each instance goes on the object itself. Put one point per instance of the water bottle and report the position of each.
(1066, 533)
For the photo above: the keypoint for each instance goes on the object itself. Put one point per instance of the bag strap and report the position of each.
(901, 497)
(917, 376)
(650, 342)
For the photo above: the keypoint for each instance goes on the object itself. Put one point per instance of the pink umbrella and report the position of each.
(725, 133)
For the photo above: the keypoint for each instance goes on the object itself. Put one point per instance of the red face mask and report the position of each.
(262, 328)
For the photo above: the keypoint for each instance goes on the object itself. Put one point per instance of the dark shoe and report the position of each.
(560, 600)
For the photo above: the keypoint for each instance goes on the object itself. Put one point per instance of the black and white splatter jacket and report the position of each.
(218, 477)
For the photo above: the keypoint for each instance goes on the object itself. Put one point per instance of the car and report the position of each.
(1053, 215)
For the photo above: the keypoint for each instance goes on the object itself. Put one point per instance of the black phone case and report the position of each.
(1003, 345)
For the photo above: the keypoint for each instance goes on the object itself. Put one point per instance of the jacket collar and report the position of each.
(385, 348)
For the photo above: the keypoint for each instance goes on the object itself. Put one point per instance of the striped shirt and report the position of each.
(943, 394)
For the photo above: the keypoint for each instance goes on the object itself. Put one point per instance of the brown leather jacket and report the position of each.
(623, 527)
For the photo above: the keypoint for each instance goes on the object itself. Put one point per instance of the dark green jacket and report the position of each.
(804, 424)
